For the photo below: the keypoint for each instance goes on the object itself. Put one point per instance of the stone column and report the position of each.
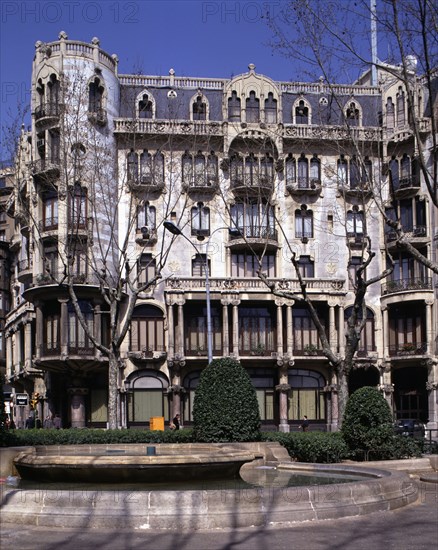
(97, 328)
(332, 326)
(385, 332)
(39, 334)
(18, 344)
(64, 327)
(225, 329)
(341, 323)
(283, 390)
(429, 327)
(28, 345)
(235, 304)
(77, 406)
(170, 331)
(280, 351)
(289, 330)
(180, 345)
(9, 358)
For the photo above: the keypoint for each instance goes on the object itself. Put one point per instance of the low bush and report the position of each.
(93, 436)
(322, 447)
(225, 408)
(367, 425)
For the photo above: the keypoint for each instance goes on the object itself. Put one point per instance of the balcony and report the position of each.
(45, 171)
(24, 269)
(253, 186)
(407, 187)
(48, 225)
(47, 113)
(98, 117)
(146, 236)
(417, 234)
(304, 186)
(357, 190)
(413, 284)
(202, 185)
(356, 240)
(152, 353)
(145, 184)
(254, 235)
(408, 349)
(165, 127)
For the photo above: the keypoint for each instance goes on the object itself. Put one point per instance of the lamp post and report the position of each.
(175, 230)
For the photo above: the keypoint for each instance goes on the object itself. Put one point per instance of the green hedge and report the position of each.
(322, 447)
(91, 436)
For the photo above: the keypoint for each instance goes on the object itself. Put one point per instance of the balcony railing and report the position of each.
(145, 183)
(49, 223)
(81, 348)
(254, 232)
(326, 286)
(304, 185)
(414, 232)
(45, 167)
(254, 183)
(52, 350)
(47, 110)
(407, 349)
(410, 284)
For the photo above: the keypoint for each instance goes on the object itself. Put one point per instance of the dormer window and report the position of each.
(199, 109)
(145, 107)
(352, 114)
(270, 109)
(301, 113)
(234, 108)
(252, 108)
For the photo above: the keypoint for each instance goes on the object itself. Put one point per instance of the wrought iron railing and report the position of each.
(254, 232)
(410, 284)
(408, 348)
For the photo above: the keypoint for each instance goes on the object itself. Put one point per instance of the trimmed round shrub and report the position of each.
(322, 447)
(367, 426)
(225, 406)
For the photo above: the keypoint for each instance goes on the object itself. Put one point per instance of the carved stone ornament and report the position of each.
(176, 389)
(430, 386)
(330, 388)
(229, 283)
(283, 387)
(283, 284)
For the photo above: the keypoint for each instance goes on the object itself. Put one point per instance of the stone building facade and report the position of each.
(249, 170)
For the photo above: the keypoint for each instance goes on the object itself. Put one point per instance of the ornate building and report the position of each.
(249, 170)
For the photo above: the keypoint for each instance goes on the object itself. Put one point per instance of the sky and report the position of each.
(194, 37)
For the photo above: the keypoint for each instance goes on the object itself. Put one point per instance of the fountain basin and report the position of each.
(130, 463)
(118, 507)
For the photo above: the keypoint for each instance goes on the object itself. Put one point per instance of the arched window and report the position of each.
(390, 114)
(366, 342)
(53, 99)
(147, 395)
(267, 169)
(234, 108)
(342, 172)
(303, 172)
(251, 170)
(146, 217)
(401, 115)
(405, 171)
(78, 339)
(40, 91)
(199, 172)
(146, 167)
(187, 168)
(252, 108)
(367, 172)
(307, 398)
(355, 223)
(236, 169)
(291, 170)
(394, 173)
(352, 114)
(145, 107)
(158, 168)
(270, 109)
(355, 176)
(132, 166)
(77, 207)
(147, 329)
(199, 109)
(200, 220)
(303, 223)
(95, 95)
(301, 113)
(212, 169)
(315, 171)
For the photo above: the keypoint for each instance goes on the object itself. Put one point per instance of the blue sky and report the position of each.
(198, 38)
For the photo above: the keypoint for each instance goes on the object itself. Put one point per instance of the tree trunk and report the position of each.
(342, 395)
(113, 367)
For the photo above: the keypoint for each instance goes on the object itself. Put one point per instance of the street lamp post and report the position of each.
(175, 230)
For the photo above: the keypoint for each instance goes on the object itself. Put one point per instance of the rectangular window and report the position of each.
(147, 269)
(247, 265)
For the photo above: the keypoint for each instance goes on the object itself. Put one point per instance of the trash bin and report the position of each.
(156, 423)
